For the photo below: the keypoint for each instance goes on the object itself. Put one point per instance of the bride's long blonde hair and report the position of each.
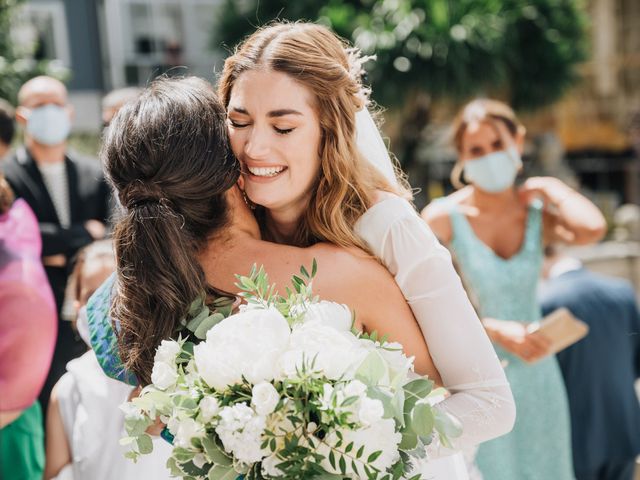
(322, 62)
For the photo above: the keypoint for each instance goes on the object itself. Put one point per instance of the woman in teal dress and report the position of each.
(497, 233)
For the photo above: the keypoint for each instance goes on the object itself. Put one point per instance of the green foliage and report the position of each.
(527, 49)
(18, 65)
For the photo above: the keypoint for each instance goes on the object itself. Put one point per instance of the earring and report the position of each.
(247, 201)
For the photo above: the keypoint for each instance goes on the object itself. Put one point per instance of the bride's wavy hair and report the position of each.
(323, 63)
(168, 158)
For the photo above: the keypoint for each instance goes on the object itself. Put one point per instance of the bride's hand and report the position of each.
(158, 426)
(514, 337)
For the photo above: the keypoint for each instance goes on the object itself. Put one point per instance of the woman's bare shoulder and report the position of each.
(348, 268)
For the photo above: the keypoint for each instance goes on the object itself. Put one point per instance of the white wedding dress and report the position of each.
(480, 394)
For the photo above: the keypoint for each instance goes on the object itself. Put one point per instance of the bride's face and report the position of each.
(275, 132)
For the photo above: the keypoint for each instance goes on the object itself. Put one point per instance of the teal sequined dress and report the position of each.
(103, 338)
(539, 447)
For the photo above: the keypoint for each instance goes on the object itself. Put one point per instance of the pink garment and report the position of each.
(28, 324)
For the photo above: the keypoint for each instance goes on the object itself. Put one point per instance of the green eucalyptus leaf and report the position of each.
(422, 419)
(372, 369)
(144, 444)
(219, 472)
(207, 324)
(416, 390)
(195, 321)
(215, 454)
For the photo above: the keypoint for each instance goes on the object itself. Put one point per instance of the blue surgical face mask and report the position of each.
(494, 172)
(49, 124)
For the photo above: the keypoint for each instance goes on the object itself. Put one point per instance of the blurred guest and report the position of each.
(496, 232)
(7, 128)
(27, 336)
(114, 100)
(67, 193)
(84, 421)
(601, 369)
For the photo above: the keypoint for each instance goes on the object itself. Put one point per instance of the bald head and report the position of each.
(42, 90)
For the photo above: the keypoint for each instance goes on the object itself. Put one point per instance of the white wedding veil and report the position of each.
(372, 146)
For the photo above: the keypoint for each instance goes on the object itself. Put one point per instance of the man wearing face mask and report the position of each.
(67, 193)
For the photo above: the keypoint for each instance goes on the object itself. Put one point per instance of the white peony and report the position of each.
(164, 375)
(381, 436)
(209, 408)
(186, 430)
(333, 352)
(330, 314)
(167, 352)
(264, 398)
(370, 411)
(246, 344)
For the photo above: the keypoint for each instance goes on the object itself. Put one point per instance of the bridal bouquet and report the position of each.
(286, 389)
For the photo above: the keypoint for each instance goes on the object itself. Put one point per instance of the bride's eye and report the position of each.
(284, 131)
(235, 124)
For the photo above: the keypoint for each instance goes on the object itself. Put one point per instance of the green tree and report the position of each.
(17, 63)
(524, 51)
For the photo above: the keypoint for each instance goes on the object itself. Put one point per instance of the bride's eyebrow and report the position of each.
(283, 112)
(241, 110)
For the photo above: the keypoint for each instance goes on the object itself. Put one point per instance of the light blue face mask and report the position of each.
(49, 124)
(494, 172)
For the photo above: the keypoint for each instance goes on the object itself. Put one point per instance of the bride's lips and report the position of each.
(263, 174)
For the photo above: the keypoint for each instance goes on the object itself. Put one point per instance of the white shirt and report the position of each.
(461, 350)
(54, 176)
(94, 424)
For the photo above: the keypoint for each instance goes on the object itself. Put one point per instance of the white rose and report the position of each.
(246, 344)
(333, 352)
(370, 411)
(264, 398)
(209, 408)
(186, 431)
(354, 388)
(167, 352)
(163, 375)
(330, 314)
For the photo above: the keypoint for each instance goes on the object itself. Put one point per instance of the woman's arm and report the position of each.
(570, 217)
(462, 352)
(57, 444)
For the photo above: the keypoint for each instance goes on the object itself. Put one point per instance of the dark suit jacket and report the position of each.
(88, 199)
(600, 370)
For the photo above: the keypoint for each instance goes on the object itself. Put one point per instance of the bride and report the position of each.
(299, 123)
(165, 158)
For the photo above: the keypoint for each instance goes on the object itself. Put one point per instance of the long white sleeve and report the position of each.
(481, 397)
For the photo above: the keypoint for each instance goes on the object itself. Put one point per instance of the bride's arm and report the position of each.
(481, 397)
(366, 287)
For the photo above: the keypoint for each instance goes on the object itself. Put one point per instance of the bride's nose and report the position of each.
(258, 145)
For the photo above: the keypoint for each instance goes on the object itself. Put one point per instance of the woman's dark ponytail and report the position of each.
(167, 156)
